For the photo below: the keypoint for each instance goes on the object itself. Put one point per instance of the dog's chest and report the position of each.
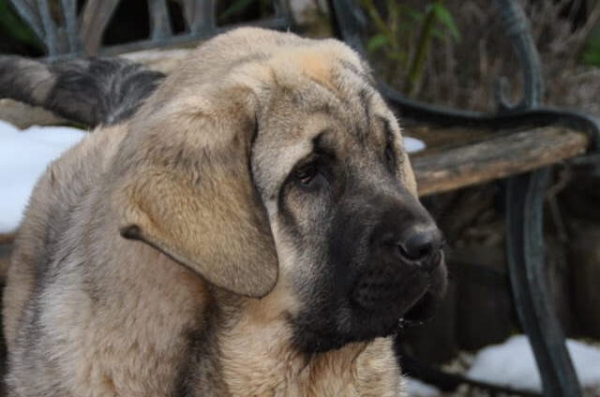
(263, 364)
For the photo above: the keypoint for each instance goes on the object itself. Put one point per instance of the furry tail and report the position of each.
(90, 91)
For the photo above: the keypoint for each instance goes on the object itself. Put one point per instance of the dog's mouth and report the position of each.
(379, 300)
(407, 294)
(422, 310)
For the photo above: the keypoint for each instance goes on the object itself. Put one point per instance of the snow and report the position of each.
(512, 364)
(416, 388)
(24, 155)
(413, 145)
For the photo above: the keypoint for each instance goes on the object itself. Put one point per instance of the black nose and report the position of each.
(420, 244)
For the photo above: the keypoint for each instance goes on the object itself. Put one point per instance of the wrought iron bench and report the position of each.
(546, 136)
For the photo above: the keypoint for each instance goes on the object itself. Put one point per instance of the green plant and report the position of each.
(14, 29)
(591, 53)
(236, 8)
(394, 41)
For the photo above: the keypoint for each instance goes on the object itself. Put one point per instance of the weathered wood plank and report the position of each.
(7, 238)
(94, 20)
(495, 158)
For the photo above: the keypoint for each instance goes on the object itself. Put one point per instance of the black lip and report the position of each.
(401, 290)
(422, 310)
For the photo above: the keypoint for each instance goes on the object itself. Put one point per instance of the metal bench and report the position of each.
(546, 136)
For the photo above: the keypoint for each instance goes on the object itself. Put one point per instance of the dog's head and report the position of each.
(268, 159)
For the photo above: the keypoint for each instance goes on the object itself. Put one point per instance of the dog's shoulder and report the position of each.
(70, 178)
(49, 214)
(65, 182)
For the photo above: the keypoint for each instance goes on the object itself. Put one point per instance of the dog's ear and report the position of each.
(189, 192)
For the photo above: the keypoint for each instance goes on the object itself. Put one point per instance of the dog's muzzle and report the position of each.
(385, 267)
(402, 278)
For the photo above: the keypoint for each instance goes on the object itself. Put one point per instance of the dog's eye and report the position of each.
(306, 173)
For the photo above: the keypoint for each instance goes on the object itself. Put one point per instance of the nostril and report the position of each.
(415, 253)
(420, 245)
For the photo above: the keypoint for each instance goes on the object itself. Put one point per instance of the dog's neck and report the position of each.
(257, 358)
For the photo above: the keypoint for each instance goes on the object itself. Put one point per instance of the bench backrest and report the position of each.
(67, 31)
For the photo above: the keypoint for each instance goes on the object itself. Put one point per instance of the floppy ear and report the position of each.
(189, 193)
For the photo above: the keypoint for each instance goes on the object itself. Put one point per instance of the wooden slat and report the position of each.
(200, 15)
(7, 238)
(160, 25)
(49, 26)
(94, 20)
(496, 158)
(69, 14)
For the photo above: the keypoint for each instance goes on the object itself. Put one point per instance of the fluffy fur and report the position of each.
(252, 230)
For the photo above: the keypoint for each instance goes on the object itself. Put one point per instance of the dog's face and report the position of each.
(355, 245)
(282, 165)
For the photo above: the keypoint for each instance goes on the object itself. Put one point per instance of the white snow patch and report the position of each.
(24, 156)
(416, 388)
(413, 145)
(512, 364)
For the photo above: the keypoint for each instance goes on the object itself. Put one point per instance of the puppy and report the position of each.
(252, 230)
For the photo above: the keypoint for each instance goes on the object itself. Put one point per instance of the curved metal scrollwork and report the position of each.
(517, 29)
(525, 219)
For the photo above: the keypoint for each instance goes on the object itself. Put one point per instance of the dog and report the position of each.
(247, 226)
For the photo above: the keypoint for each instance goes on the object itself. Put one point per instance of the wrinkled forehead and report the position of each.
(320, 96)
(326, 79)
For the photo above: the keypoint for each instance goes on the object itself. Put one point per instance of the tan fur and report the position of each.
(116, 313)
(268, 365)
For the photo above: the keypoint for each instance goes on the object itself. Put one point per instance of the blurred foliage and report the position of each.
(15, 35)
(231, 11)
(393, 41)
(591, 52)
